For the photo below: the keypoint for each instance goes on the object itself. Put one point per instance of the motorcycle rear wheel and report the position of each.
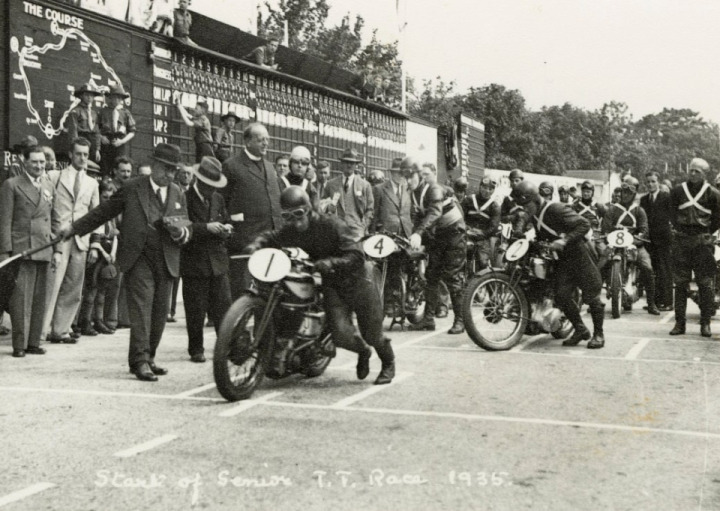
(240, 359)
(616, 289)
(495, 312)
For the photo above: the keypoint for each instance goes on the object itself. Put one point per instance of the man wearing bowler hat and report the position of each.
(82, 120)
(117, 128)
(155, 224)
(204, 260)
(224, 140)
(351, 195)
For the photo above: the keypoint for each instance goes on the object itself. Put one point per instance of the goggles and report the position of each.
(293, 214)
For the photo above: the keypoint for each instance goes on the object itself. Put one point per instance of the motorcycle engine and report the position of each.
(547, 315)
(278, 366)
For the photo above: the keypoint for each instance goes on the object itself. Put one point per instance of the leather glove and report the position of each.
(558, 245)
(324, 265)
(251, 249)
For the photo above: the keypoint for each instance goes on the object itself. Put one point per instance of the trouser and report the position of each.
(201, 296)
(148, 286)
(647, 275)
(446, 262)
(174, 295)
(203, 149)
(575, 269)
(109, 153)
(27, 304)
(240, 278)
(97, 294)
(65, 287)
(661, 257)
(693, 254)
(362, 297)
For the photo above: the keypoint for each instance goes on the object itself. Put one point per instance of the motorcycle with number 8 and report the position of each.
(622, 287)
(277, 328)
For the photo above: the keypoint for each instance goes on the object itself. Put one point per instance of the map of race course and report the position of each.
(25, 51)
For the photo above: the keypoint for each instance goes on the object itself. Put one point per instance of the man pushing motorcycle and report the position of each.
(348, 283)
(565, 230)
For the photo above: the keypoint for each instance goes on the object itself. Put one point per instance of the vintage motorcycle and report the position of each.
(277, 328)
(500, 305)
(624, 274)
(403, 290)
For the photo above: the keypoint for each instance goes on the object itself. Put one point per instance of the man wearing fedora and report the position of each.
(252, 198)
(204, 259)
(225, 136)
(117, 128)
(82, 120)
(351, 195)
(154, 226)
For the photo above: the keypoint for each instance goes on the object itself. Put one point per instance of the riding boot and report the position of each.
(387, 357)
(681, 295)
(458, 326)
(706, 292)
(597, 313)
(428, 320)
(650, 293)
(581, 333)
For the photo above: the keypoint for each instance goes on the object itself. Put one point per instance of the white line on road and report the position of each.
(369, 392)
(24, 493)
(637, 348)
(667, 317)
(246, 405)
(196, 390)
(523, 344)
(110, 393)
(145, 447)
(499, 418)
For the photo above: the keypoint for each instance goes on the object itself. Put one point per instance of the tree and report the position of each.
(339, 45)
(305, 18)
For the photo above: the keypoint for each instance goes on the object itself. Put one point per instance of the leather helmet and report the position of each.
(294, 197)
(587, 185)
(548, 187)
(488, 182)
(460, 184)
(630, 183)
(515, 173)
(300, 153)
(525, 192)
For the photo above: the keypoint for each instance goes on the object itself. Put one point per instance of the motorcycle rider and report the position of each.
(695, 215)
(627, 214)
(348, 283)
(546, 190)
(482, 216)
(564, 194)
(561, 226)
(299, 164)
(593, 212)
(438, 222)
(460, 186)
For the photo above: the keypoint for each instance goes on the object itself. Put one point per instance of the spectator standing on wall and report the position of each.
(117, 128)
(225, 136)
(201, 127)
(82, 120)
(182, 21)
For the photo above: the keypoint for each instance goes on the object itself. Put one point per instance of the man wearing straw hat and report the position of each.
(155, 224)
(117, 128)
(204, 263)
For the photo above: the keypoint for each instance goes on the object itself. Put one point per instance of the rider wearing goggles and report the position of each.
(299, 165)
(482, 216)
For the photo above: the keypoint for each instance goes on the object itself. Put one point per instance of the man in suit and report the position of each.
(656, 204)
(392, 204)
(25, 210)
(252, 198)
(183, 179)
(352, 195)
(204, 259)
(152, 231)
(323, 176)
(76, 193)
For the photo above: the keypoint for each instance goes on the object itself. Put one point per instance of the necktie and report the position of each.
(159, 196)
(76, 186)
(90, 119)
(116, 118)
(347, 184)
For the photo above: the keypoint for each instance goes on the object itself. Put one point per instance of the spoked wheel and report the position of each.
(415, 300)
(321, 360)
(495, 312)
(616, 289)
(394, 297)
(566, 329)
(240, 356)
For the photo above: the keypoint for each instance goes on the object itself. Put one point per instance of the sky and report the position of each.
(649, 54)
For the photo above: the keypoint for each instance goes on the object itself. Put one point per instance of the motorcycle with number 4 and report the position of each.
(500, 305)
(624, 273)
(277, 328)
(403, 292)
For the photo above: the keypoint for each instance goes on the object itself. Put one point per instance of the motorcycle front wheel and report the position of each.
(414, 299)
(616, 288)
(240, 356)
(495, 311)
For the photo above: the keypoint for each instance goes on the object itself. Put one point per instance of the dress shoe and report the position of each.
(581, 333)
(653, 310)
(597, 341)
(120, 326)
(143, 373)
(35, 350)
(197, 357)
(102, 328)
(64, 339)
(458, 326)
(442, 311)
(678, 329)
(160, 371)
(89, 331)
(665, 308)
(705, 329)
(387, 373)
(18, 353)
(363, 365)
(75, 335)
(171, 319)
(425, 323)
(4, 330)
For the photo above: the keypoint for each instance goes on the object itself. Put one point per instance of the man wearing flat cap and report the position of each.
(155, 225)
(117, 128)
(204, 263)
(82, 120)
(695, 215)
(351, 195)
